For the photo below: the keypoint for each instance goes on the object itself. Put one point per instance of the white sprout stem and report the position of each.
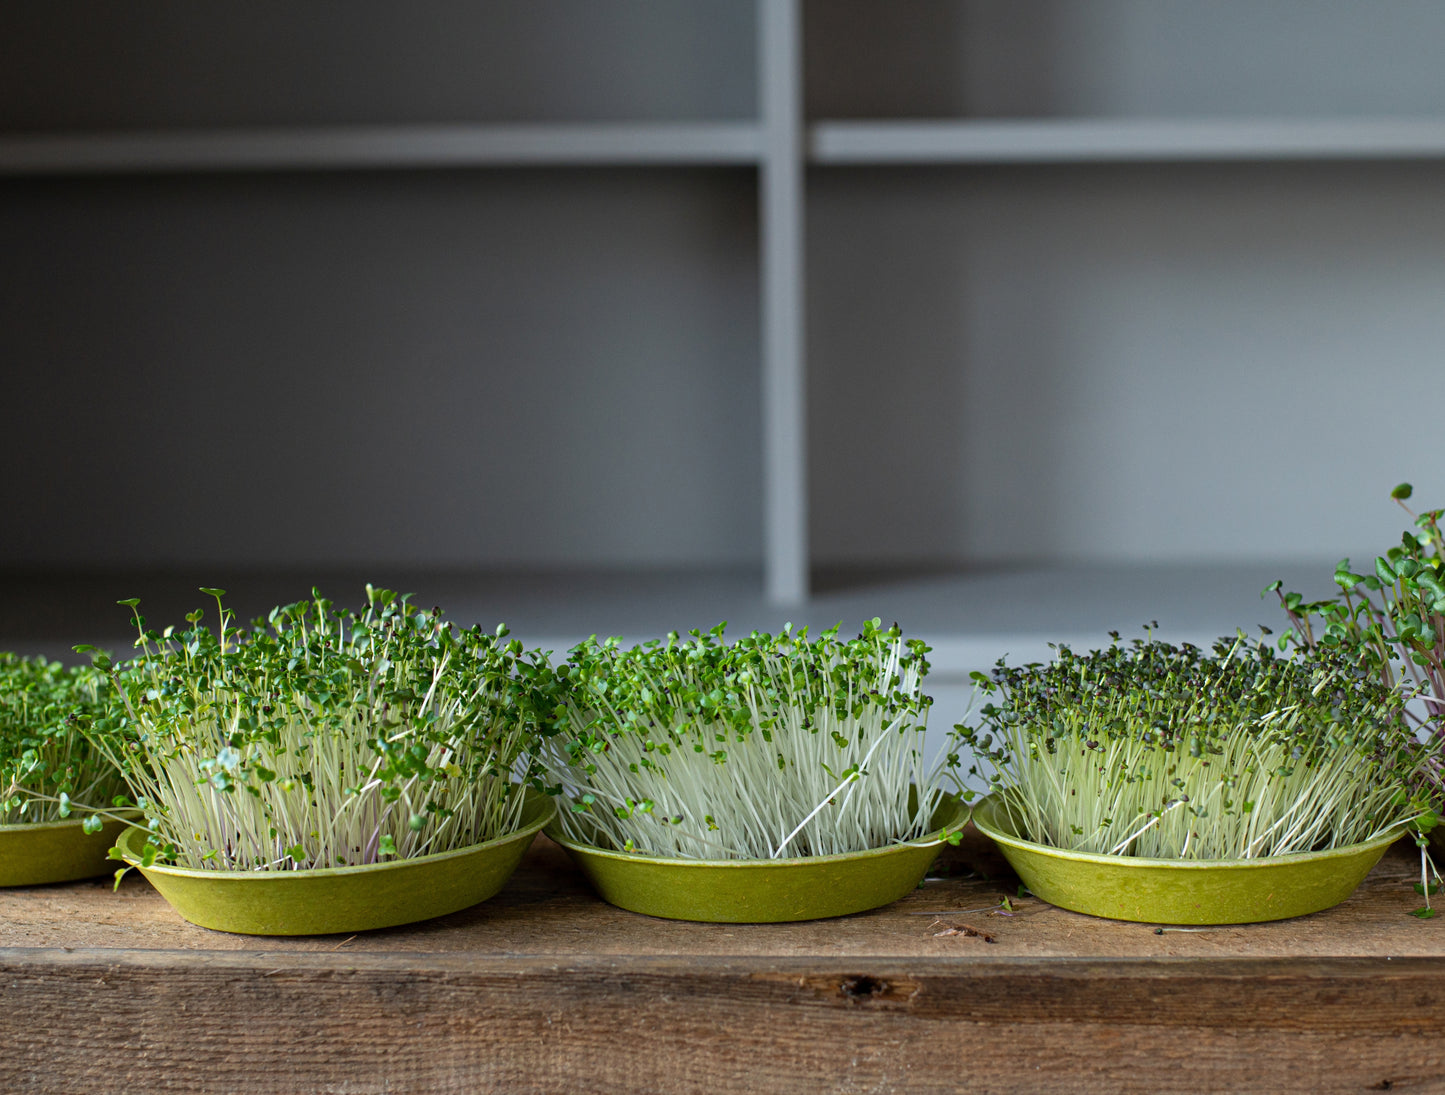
(816, 810)
(1117, 848)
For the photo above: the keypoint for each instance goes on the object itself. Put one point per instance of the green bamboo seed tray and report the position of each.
(326, 900)
(760, 891)
(1171, 891)
(40, 852)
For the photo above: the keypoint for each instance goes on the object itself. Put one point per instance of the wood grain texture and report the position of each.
(101, 1022)
(545, 989)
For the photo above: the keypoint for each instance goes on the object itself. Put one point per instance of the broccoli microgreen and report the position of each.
(766, 747)
(48, 771)
(322, 737)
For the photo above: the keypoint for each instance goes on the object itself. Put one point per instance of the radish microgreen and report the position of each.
(1392, 618)
(1149, 749)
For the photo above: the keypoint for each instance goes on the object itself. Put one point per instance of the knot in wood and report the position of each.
(862, 987)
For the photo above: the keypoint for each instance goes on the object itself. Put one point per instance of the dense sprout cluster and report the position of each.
(1149, 749)
(767, 747)
(323, 737)
(45, 764)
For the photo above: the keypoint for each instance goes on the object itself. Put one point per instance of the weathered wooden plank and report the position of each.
(546, 989)
(226, 1021)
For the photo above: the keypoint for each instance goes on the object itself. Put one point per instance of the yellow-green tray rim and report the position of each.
(1357, 859)
(336, 892)
(37, 853)
(708, 890)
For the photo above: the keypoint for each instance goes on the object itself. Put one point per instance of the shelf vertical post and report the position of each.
(783, 301)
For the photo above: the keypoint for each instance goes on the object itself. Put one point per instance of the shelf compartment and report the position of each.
(486, 368)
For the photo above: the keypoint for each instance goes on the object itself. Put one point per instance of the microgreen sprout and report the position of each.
(1392, 618)
(767, 747)
(47, 769)
(321, 737)
(1161, 751)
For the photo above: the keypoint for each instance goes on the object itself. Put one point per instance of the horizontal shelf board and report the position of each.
(383, 147)
(716, 143)
(1124, 140)
(970, 618)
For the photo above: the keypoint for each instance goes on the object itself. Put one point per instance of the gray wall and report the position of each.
(1129, 58)
(560, 368)
(94, 64)
(459, 369)
(555, 368)
(1143, 363)
(1135, 362)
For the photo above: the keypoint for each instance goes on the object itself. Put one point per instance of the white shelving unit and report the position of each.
(780, 143)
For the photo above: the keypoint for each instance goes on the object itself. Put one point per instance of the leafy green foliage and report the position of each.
(765, 747)
(321, 737)
(1392, 619)
(47, 769)
(1149, 749)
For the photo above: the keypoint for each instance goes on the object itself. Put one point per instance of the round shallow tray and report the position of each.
(343, 899)
(55, 851)
(1172, 891)
(762, 891)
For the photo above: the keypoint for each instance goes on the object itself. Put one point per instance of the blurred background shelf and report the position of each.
(1124, 140)
(969, 618)
(1120, 286)
(352, 148)
(692, 144)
